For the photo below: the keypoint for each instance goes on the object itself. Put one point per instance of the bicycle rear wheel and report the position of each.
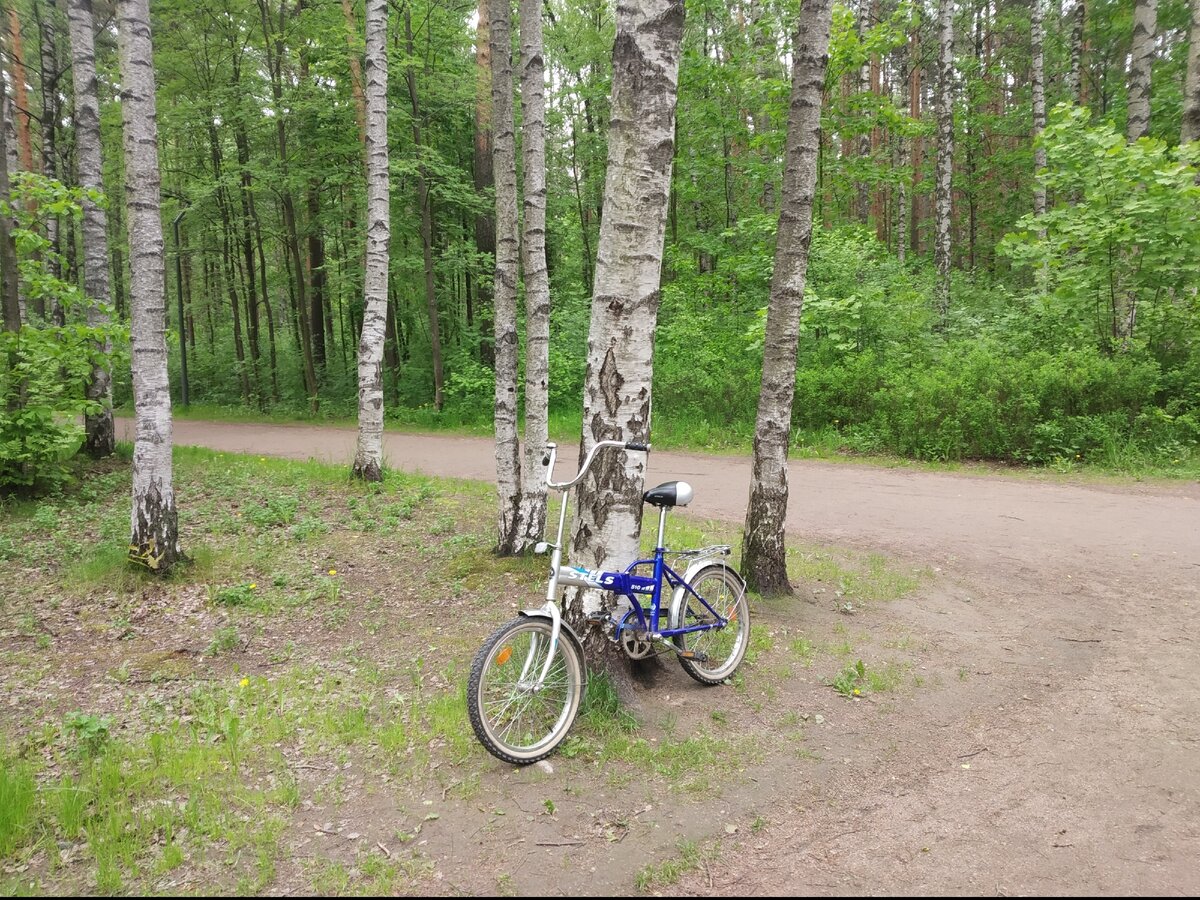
(517, 719)
(716, 653)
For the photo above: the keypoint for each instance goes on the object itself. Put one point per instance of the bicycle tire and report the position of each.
(727, 646)
(542, 718)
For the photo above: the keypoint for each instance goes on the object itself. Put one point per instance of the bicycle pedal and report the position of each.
(598, 617)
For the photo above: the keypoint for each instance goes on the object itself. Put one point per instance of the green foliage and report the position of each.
(46, 365)
(1117, 262)
(91, 732)
(17, 788)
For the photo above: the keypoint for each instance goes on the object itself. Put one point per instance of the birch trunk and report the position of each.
(1038, 87)
(764, 559)
(945, 157)
(1075, 73)
(100, 439)
(368, 460)
(1190, 130)
(626, 293)
(504, 297)
(536, 275)
(1141, 58)
(155, 527)
(10, 302)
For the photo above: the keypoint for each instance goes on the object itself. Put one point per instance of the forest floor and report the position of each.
(985, 684)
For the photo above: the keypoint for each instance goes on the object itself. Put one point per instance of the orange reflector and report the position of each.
(503, 656)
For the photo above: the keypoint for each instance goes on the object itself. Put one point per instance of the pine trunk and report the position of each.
(424, 201)
(1075, 72)
(155, 526)
(945, 157)
(625, 299)
(368, 461)
(504, 294)
(100, 440)
(537, 280)
(764, 560)
(485, 225)
(1190, 130)
(1141, 58)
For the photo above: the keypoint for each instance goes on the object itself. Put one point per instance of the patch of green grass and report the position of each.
(666, 873)
(225, 639)
(17, 805)
(857, 679)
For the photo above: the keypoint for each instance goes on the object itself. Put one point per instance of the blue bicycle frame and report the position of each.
(628, 583)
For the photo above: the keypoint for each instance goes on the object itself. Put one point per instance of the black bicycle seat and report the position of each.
(673, 493)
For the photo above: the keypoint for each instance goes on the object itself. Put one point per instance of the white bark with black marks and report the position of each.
(368, 460)
(1141, 59)
(100, 440)
(536, 276)
(626, 290)
(1190, 129)
(764, 560)
(504, 297)
(1038, 87)
(945, 158)
(155, 526)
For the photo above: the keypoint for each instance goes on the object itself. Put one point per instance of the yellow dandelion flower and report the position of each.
(333, 571)
(245, 682)
(253, 585)
(857, 692)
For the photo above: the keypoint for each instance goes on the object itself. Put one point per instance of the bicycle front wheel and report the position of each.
(517, 715)
(714, 654)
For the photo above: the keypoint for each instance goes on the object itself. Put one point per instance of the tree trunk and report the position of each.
(291, 231)
(1141, 58)
(1075, 72)
(625, 300)
(368, 460)
(20, 91)
(155, 526)
(1038, 78)
(424, 201)
(945, 157)
(902, 161)
(504, 294)
(537, 280)
(764, 560)
(485, 225)
(10, 302)
(1190, 130)
(356, 73)
(101, 438)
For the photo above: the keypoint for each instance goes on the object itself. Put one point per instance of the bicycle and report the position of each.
(528, 680)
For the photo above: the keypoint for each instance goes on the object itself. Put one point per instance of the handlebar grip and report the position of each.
(634, 445)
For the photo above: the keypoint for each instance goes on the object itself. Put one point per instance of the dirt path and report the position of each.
(1062, 755)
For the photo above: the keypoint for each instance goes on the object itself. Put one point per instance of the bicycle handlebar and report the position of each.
(552, 454)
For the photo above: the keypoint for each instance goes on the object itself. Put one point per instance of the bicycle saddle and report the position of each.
(673, 493)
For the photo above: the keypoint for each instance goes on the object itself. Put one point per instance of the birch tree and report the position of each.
(536, 276)
(368, 460)
(1141, 56)
(504, 299)
(945, 156)
(99, 425)
(1038, 89)
(155, 527)
(10, 303)
(626, 291)
(1190, 129)
(764, 561)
